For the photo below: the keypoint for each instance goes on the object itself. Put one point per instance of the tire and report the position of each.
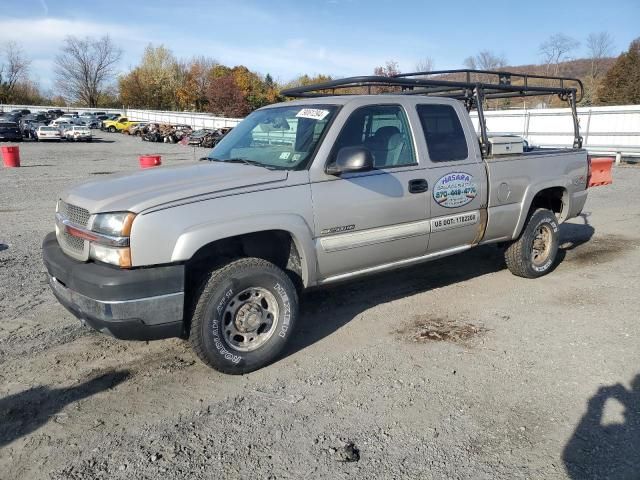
(112, 129)
(534, 253)
(226, 300)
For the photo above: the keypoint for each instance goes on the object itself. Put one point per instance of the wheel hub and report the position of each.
(541, 246)
(250, 319)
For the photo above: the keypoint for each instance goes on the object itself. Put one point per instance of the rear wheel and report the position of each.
(244, 315)
(533, 254)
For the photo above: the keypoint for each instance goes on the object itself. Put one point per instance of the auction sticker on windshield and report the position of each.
(313, 113)
(455, 190)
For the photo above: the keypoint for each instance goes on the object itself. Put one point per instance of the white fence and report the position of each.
(195, 120)
(606, 130)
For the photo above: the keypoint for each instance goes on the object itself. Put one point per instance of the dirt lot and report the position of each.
(453, 369)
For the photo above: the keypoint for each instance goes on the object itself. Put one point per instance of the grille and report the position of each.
(73, 243)
(77, 215)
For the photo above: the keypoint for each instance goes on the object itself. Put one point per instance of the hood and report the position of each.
(157, 186)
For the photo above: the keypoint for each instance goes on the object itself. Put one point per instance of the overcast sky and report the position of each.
(339, 37)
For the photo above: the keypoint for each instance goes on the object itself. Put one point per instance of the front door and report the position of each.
(376, 217)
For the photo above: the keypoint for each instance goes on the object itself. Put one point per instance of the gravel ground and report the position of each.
(453, 369)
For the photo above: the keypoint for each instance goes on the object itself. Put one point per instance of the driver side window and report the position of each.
(384, 130)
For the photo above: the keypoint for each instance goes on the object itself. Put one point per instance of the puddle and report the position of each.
(426, 329)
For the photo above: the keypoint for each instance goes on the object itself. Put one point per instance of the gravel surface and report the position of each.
(453, 369)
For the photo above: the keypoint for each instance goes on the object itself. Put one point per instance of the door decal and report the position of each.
(454, 190)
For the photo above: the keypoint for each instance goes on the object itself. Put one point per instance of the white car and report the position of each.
(61, 124)
(78, 133)
(48, 133)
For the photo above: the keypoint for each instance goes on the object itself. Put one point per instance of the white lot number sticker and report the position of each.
(313, 113)
(454, 190)
(454, 221)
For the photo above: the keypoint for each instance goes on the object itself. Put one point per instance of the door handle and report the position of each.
(418, 185)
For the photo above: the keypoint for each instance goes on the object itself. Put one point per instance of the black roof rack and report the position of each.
(470, 86)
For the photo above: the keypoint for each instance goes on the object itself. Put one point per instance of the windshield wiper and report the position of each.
(241, 160)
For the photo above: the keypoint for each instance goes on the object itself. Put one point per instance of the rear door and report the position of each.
(456, 174)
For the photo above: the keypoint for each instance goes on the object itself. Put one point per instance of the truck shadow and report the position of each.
(23, 413)
(597, 450)
(325, 310)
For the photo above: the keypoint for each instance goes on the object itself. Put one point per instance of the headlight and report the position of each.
(117, 224)
(111, 245)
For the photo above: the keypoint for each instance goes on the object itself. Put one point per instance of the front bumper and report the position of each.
(137, 304)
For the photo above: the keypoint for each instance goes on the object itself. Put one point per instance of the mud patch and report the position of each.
(601, 249)
(424, 328)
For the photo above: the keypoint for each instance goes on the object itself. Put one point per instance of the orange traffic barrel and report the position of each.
(148, 161)
(11, 156)
(600, 171)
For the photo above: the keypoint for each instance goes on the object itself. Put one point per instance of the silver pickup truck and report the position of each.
(305, 193)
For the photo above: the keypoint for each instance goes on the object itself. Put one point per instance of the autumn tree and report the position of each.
(14, 66)
(153, 83)
(85, 67)
(226, 98)
(621, 85)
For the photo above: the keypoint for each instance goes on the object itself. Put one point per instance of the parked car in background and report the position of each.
(138, 129)
(55, 113)
(90, 121)
(78, 133)
(117, 125)
(21, 111)
(48, 132)
(31, 128)
(9, 131)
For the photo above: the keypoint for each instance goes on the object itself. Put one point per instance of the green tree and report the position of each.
(621, 85)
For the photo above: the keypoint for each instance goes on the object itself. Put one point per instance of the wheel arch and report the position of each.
(551, 196)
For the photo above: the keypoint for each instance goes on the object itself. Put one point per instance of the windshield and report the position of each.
(280, 137)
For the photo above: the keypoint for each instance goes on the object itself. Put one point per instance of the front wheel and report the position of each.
(112, 129)
(244, 315)
(534, 253)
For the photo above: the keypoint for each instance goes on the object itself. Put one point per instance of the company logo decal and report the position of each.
(454, 190)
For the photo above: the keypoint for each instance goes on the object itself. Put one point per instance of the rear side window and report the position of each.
(443, 132)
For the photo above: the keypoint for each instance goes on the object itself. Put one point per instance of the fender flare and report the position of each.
(530, 194)
(194, 238)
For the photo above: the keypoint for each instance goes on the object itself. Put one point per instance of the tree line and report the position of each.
(86, 74)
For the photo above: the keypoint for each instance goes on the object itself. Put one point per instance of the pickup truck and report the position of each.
(303, 194)
(117, 125)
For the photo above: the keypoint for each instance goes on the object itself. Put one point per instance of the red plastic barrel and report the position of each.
(148, 161)
(11, 156)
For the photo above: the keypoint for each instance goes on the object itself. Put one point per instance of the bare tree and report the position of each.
(85, 67)
(599, 47)
(13, 69)
(485, 60)
(555, 50)
(425, 65)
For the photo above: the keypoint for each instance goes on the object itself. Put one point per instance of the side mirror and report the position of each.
(351, 159)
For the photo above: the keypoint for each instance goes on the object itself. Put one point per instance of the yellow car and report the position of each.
(117, 125)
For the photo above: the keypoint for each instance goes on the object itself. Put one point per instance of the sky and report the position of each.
(287, 38)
